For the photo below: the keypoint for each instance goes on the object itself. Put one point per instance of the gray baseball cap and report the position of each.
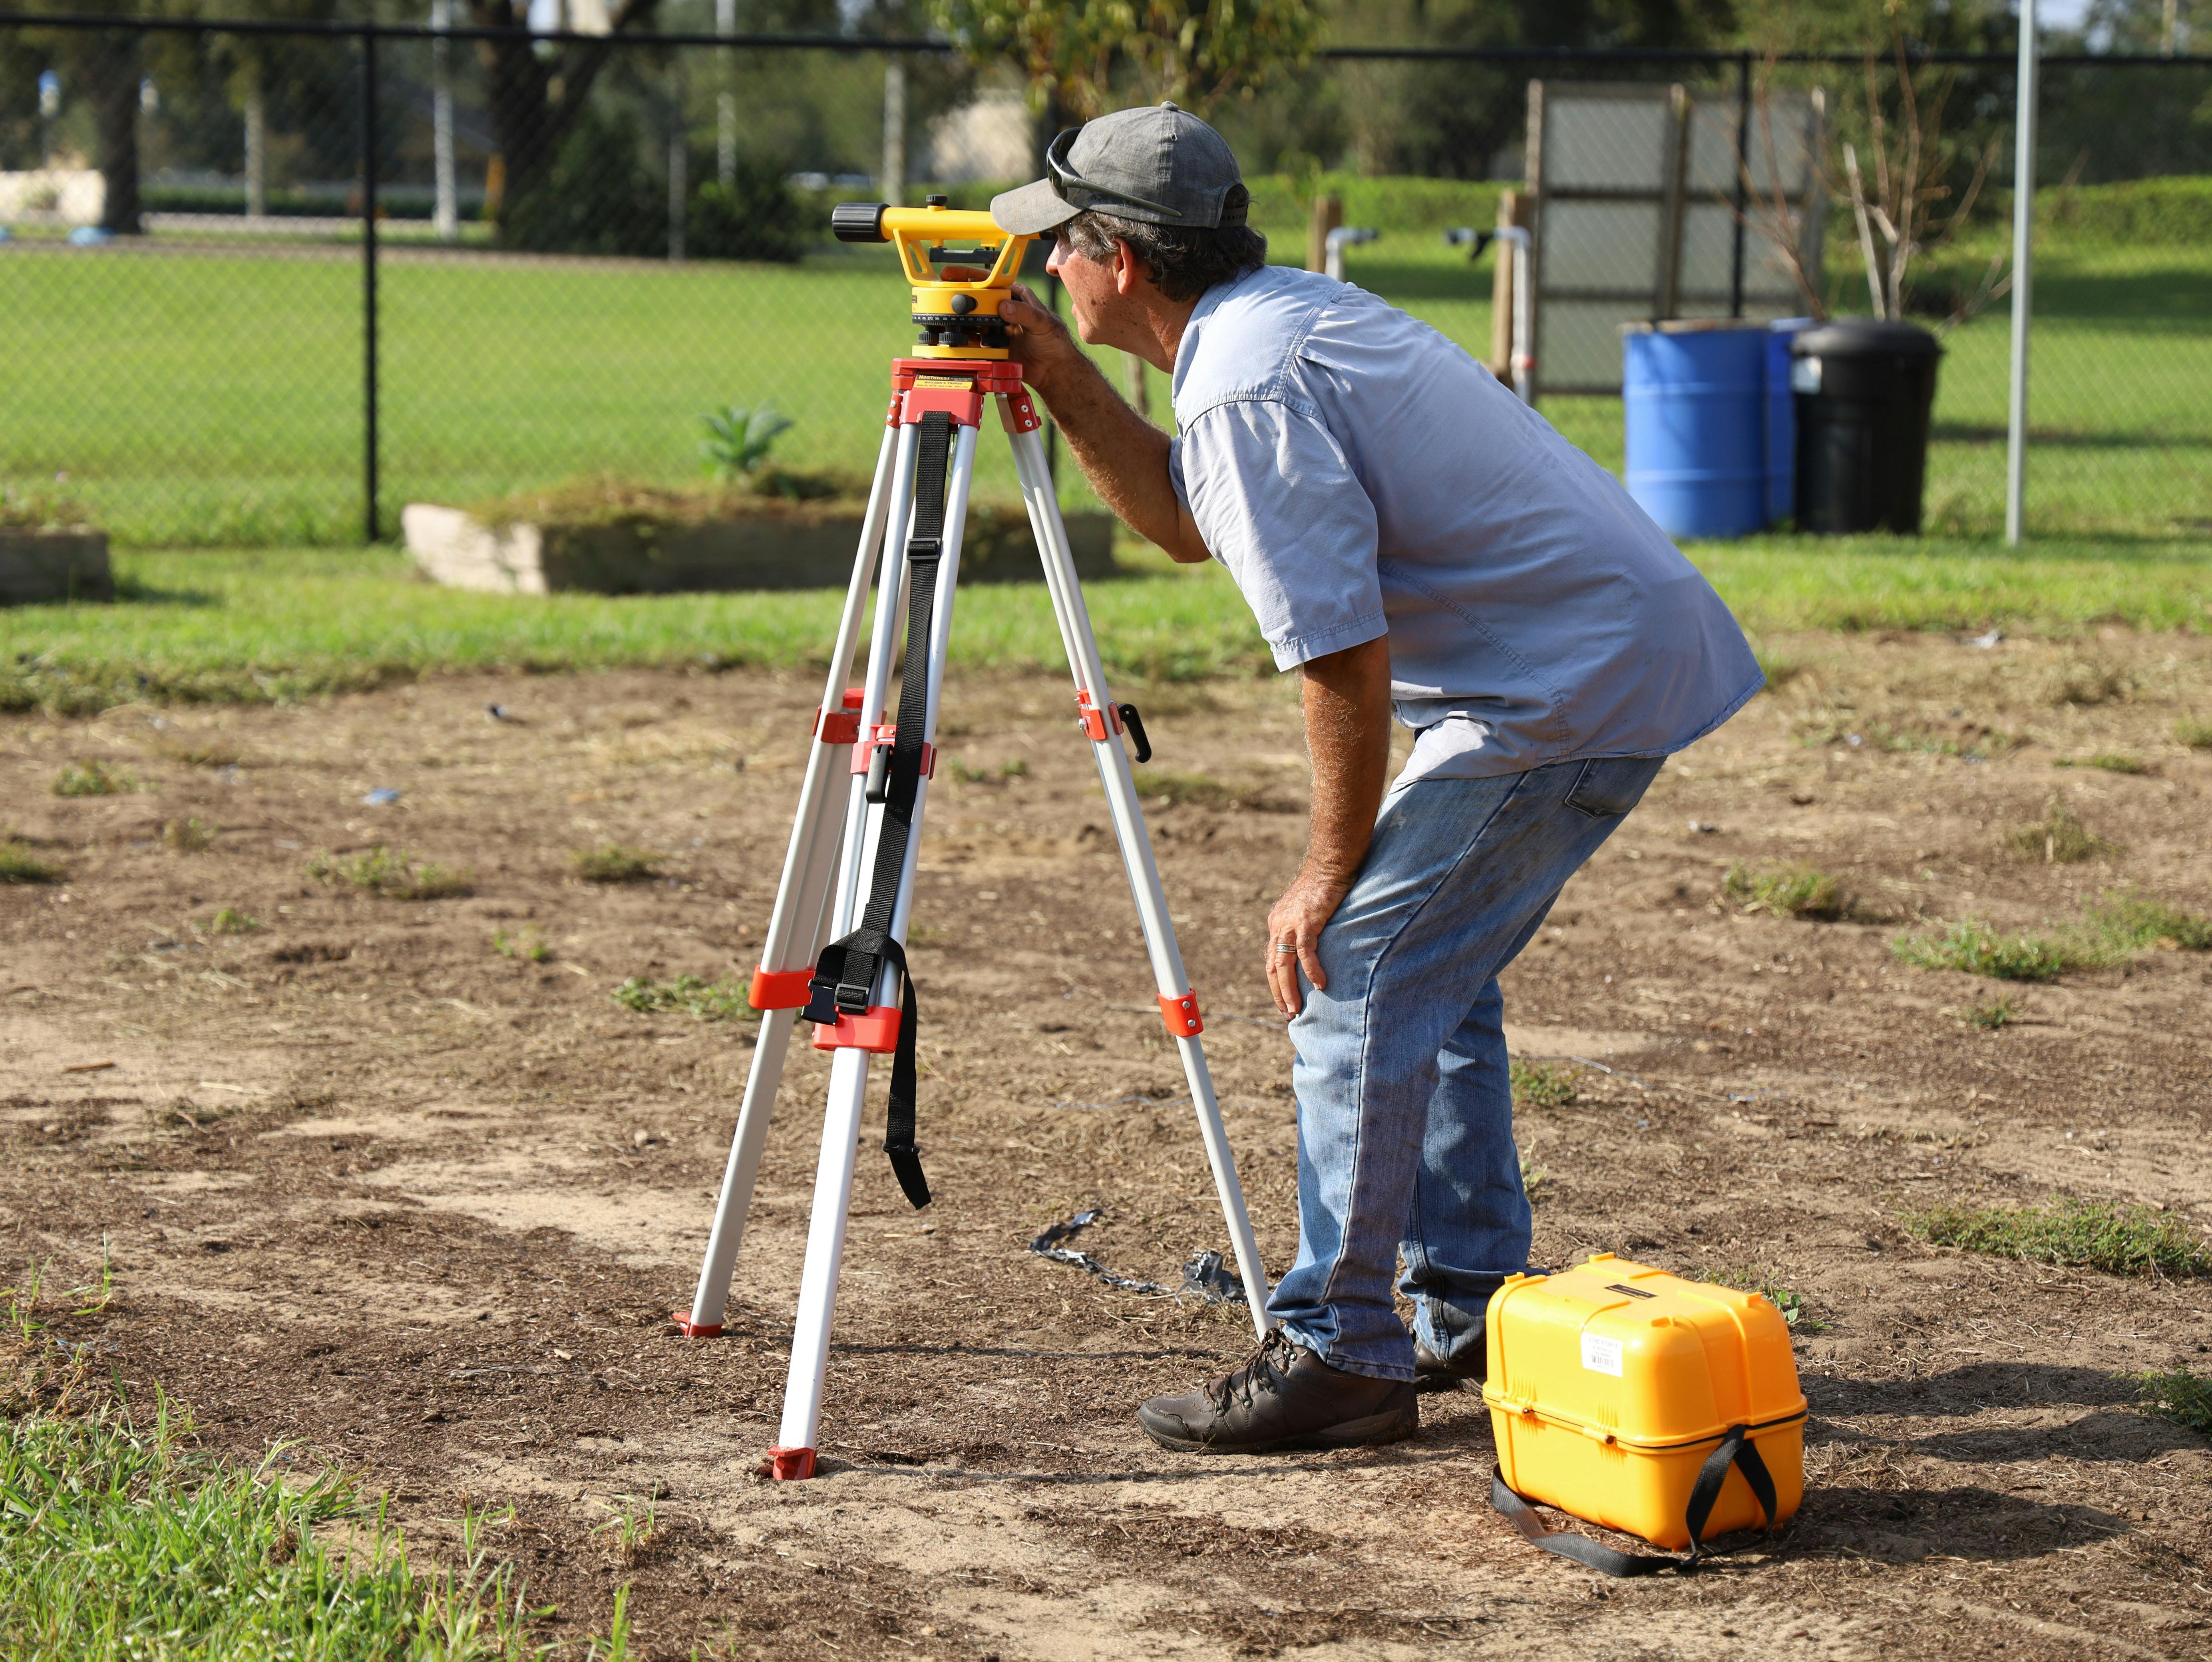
(1161, 165)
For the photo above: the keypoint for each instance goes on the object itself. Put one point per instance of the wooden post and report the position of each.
(1514, 208)
(1327, 214)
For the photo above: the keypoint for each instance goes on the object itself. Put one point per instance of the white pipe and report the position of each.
(1524, 363)
(445, 216)
(2023, 226)
(1333, 247)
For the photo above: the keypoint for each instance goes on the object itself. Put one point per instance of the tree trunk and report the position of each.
(528, 120)
(108, 67)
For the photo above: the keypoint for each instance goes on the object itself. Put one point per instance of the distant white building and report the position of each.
(993, 138)
(54, 195)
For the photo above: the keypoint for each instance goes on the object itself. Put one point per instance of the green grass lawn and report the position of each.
(213, 398)
(264, 624)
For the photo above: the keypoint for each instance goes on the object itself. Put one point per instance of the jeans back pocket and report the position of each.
(1609, 786)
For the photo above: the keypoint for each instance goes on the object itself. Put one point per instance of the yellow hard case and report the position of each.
(1611, 1382)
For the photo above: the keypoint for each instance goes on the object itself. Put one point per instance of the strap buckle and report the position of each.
(923, 549)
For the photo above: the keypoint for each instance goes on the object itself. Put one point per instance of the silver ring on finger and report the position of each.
(1286, 946)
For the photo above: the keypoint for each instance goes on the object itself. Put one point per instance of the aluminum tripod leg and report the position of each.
(1101, 721)
(794, 1455)
(795, 930)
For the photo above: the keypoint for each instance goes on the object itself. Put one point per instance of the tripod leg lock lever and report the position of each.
(1179, 1012)
(876, 1028)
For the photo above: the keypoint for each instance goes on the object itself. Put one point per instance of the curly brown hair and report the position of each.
(1184, 263)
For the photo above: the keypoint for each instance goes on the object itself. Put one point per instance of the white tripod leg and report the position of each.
(1178, 1003)
(802, 907)
(794, 1455)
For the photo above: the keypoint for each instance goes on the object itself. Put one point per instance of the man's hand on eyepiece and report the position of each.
(1041, 343)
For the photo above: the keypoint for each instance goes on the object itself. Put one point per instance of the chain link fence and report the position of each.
(565, 251)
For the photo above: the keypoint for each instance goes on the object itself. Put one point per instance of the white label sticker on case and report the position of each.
(1602, 1355)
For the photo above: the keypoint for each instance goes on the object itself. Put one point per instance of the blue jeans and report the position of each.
(1405, 1109)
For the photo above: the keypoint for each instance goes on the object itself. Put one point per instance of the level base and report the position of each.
(789, 1464)
(695, 1330)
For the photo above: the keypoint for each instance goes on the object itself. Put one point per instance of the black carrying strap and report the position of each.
(845, 974)
(1735, 1449)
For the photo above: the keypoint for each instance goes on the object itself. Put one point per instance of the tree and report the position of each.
(534, 99)
(1085, 58)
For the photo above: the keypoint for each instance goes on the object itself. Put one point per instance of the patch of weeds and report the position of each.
(611, 863)
(197, 752)
(724, 1000)
(2089, 681)
(188, 835)
(1017, 768)
(2194, 733)
(393, 873)
(967, 774)
(1787, 1299)
(525, 945)
(2181, 1396)
(2058, 838)
(18, 865)
(2107, 761)
(229, 921)
(1541, 1084)
(1798, 891)
(1998, 1012)
(1535, 1181)
(92, 779)
(1973, 946)
(629, 1531)
(1201, 790)
(2135, 921)
(617, 1648)
(2120, 1238)
(122, 1529)
(1971, 741)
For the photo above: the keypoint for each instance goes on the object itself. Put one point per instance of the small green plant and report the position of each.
(2110, 761)
(2193, 732)
(1200, 791)
(1973, 946)
(968, 773)
(616, 1647)
(18, 865)
(2132, 922)
(1016, 769)
(1798, 892)
(1541, 1084)
(1998, 1012)
(393, 873)
(1787, 1299)
(710, 1001)
(188, 835)
(92, 778)
(629, 1531)
(2058, 838)
(525, 946)
(1535, 1181)
(2181, 1396)
(229, 921)
(2120, 1238)
(611, 863)
(739, 440)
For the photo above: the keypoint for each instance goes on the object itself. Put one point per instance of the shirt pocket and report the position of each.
(1609, 788)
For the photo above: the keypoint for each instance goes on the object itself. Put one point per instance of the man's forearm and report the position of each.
(1346, 699)
(1123, 456)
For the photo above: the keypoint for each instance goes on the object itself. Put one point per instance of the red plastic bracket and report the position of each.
(962, 402)
(877, 1031)
(991, 375)
(1019, 412)
(694, 1330)
(790, 1464)
(779, 989)
(841, 726)
(1181, 1014)
(1099, 723)
(883, 734)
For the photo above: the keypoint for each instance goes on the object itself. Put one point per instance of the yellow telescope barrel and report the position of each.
(961, 265)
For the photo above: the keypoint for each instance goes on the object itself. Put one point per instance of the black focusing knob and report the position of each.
(964, 304)
(936, 201)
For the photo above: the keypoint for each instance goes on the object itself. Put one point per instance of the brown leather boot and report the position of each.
(1433, 1373)
(1282, 1396)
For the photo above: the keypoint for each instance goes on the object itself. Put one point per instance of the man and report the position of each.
(1406, 531)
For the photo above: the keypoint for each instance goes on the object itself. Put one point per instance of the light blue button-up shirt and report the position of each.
(1361, 475)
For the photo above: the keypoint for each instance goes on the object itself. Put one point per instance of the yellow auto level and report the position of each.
(961, 265)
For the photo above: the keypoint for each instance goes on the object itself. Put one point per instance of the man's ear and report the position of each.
(1128, 269)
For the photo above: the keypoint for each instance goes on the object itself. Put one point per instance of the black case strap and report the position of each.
(1735, 1449)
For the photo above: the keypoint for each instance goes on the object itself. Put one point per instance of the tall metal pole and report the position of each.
(894, 180)
(369, 281)
(725, 100)
(446, 214)
(1743, 171)
(2023, 226)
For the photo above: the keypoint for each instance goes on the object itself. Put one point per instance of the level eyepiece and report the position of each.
(858, 222)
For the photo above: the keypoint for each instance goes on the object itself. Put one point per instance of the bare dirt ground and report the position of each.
(370, 1185)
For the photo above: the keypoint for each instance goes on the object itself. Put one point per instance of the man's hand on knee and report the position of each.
(1296, 923)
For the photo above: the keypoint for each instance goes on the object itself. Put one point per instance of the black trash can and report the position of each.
(1863, 390)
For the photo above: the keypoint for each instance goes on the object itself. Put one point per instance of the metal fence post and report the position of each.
(369, 281)
(2023, 226)
(1743, 167)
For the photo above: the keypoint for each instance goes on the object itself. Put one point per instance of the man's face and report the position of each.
(1093, 292)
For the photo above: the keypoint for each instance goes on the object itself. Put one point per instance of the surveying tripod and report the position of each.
(834, 954)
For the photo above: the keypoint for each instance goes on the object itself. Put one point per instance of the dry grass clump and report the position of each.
(18, 865)
(2111, 1235)
(1798, 891)
(92, 778)
(2193, 732)
(188, 835)
(2058, 838)
(2090, 680)
(724, 1000)
(612, 862)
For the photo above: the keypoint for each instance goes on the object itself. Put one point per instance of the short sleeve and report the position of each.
(1279, 505)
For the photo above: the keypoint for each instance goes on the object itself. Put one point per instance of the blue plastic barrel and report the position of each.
(1696, 427)
(1781, 419)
